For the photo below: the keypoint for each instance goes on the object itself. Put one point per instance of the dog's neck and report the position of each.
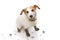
(32, 20)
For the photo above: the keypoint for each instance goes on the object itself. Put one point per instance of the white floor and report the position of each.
(34, 35)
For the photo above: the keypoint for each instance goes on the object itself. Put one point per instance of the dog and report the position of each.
(27, 19)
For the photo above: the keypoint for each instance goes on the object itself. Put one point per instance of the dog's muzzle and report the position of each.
(32, 19)
(31, 16)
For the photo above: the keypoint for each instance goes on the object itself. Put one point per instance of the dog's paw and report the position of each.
(18, 30)
(37, 29)
(28, 35)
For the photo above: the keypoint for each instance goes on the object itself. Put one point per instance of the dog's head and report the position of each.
(30, 12)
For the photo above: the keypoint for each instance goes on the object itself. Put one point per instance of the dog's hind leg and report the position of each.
(36, 29)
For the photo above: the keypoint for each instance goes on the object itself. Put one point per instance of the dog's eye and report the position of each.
(27, 12)
(32, 10)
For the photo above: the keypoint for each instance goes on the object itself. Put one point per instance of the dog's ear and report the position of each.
(35, 6)
(23, 10)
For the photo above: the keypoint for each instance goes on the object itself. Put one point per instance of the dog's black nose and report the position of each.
(31, 16)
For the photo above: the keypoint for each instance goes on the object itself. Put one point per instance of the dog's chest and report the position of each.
(23, 21)
(29, 23)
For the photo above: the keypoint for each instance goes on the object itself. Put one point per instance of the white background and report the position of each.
(48, 17)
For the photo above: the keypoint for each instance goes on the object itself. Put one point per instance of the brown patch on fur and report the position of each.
(23, 10)
(31, 7)
(34, 7)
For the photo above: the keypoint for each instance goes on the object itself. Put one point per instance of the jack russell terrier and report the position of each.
(27, 19)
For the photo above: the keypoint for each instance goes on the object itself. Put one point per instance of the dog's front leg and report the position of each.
(19, 30)
(36, 29)
(27, 33)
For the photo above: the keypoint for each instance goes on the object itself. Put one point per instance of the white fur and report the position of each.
(22, 21)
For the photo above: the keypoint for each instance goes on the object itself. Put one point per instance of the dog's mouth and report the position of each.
(32, 19)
